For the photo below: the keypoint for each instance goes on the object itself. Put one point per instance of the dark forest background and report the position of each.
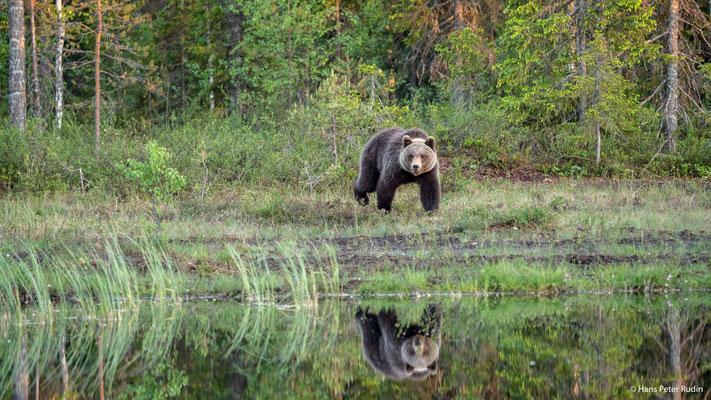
(268, 91)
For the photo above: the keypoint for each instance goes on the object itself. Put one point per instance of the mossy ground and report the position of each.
(491, 235)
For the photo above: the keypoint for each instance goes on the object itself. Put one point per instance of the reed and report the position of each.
(102, 283)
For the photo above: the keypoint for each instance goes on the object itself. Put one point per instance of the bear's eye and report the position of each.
(409, 157)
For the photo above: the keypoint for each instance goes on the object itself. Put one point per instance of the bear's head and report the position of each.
(418, 155)
(420, 354)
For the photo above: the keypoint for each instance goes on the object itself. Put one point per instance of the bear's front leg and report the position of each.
(386, 194)
(430, 191)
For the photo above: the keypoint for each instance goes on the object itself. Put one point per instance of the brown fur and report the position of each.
(401, 352)
(395, 157)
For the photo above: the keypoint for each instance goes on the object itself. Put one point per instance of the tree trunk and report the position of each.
(63, 366)
(673, 328)
(21, 380)
(235, 18)
(580, 47)
(671, 103)
(599, 61)
(458, 15)
(598, 144)
(182, 60)
(58, 68)
(289, 54)
(101, 362)
(37, 379)
(17, 98)
(338, 29)
(97, 75)
(166, 79)
(210, 72)
(35, 76)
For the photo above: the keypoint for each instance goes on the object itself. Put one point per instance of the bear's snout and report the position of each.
(415, 167)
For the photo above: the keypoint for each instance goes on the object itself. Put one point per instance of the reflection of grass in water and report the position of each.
(124, 347)
(282, 337)
(483, 338)
(272, 340)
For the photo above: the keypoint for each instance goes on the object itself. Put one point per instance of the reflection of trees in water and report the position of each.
(70, 357)
(520, 348)
(21, 381)
(683, 344)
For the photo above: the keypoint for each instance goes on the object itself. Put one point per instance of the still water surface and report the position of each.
(592, 346)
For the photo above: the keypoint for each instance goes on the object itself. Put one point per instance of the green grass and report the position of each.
(274, 246)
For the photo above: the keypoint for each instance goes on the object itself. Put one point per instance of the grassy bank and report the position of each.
(278, 244)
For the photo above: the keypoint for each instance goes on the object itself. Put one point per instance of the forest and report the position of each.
(178, 219)
(288, 91)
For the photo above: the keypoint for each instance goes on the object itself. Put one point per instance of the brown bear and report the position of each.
(394, 157)
(399, 351)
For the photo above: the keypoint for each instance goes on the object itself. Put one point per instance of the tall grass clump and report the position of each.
(258, 285)
(166, 283)
(306, 277)
(102, 283)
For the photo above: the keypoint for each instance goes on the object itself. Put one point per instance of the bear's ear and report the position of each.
(406, 141)
(430, 141)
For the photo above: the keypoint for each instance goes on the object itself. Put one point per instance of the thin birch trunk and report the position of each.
(671, 103)
(58, 67)
(673, 328)
(36, 111)
(17, 98)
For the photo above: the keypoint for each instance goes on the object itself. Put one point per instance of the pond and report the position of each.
(586, 346)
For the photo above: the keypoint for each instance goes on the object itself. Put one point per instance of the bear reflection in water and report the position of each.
(397, 351)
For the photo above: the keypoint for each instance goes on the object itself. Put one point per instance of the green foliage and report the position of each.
(12, 152)
(571, 171)
(284, 50)
(156, 179)
(465, 54)
(164, 381)
(303, 84)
